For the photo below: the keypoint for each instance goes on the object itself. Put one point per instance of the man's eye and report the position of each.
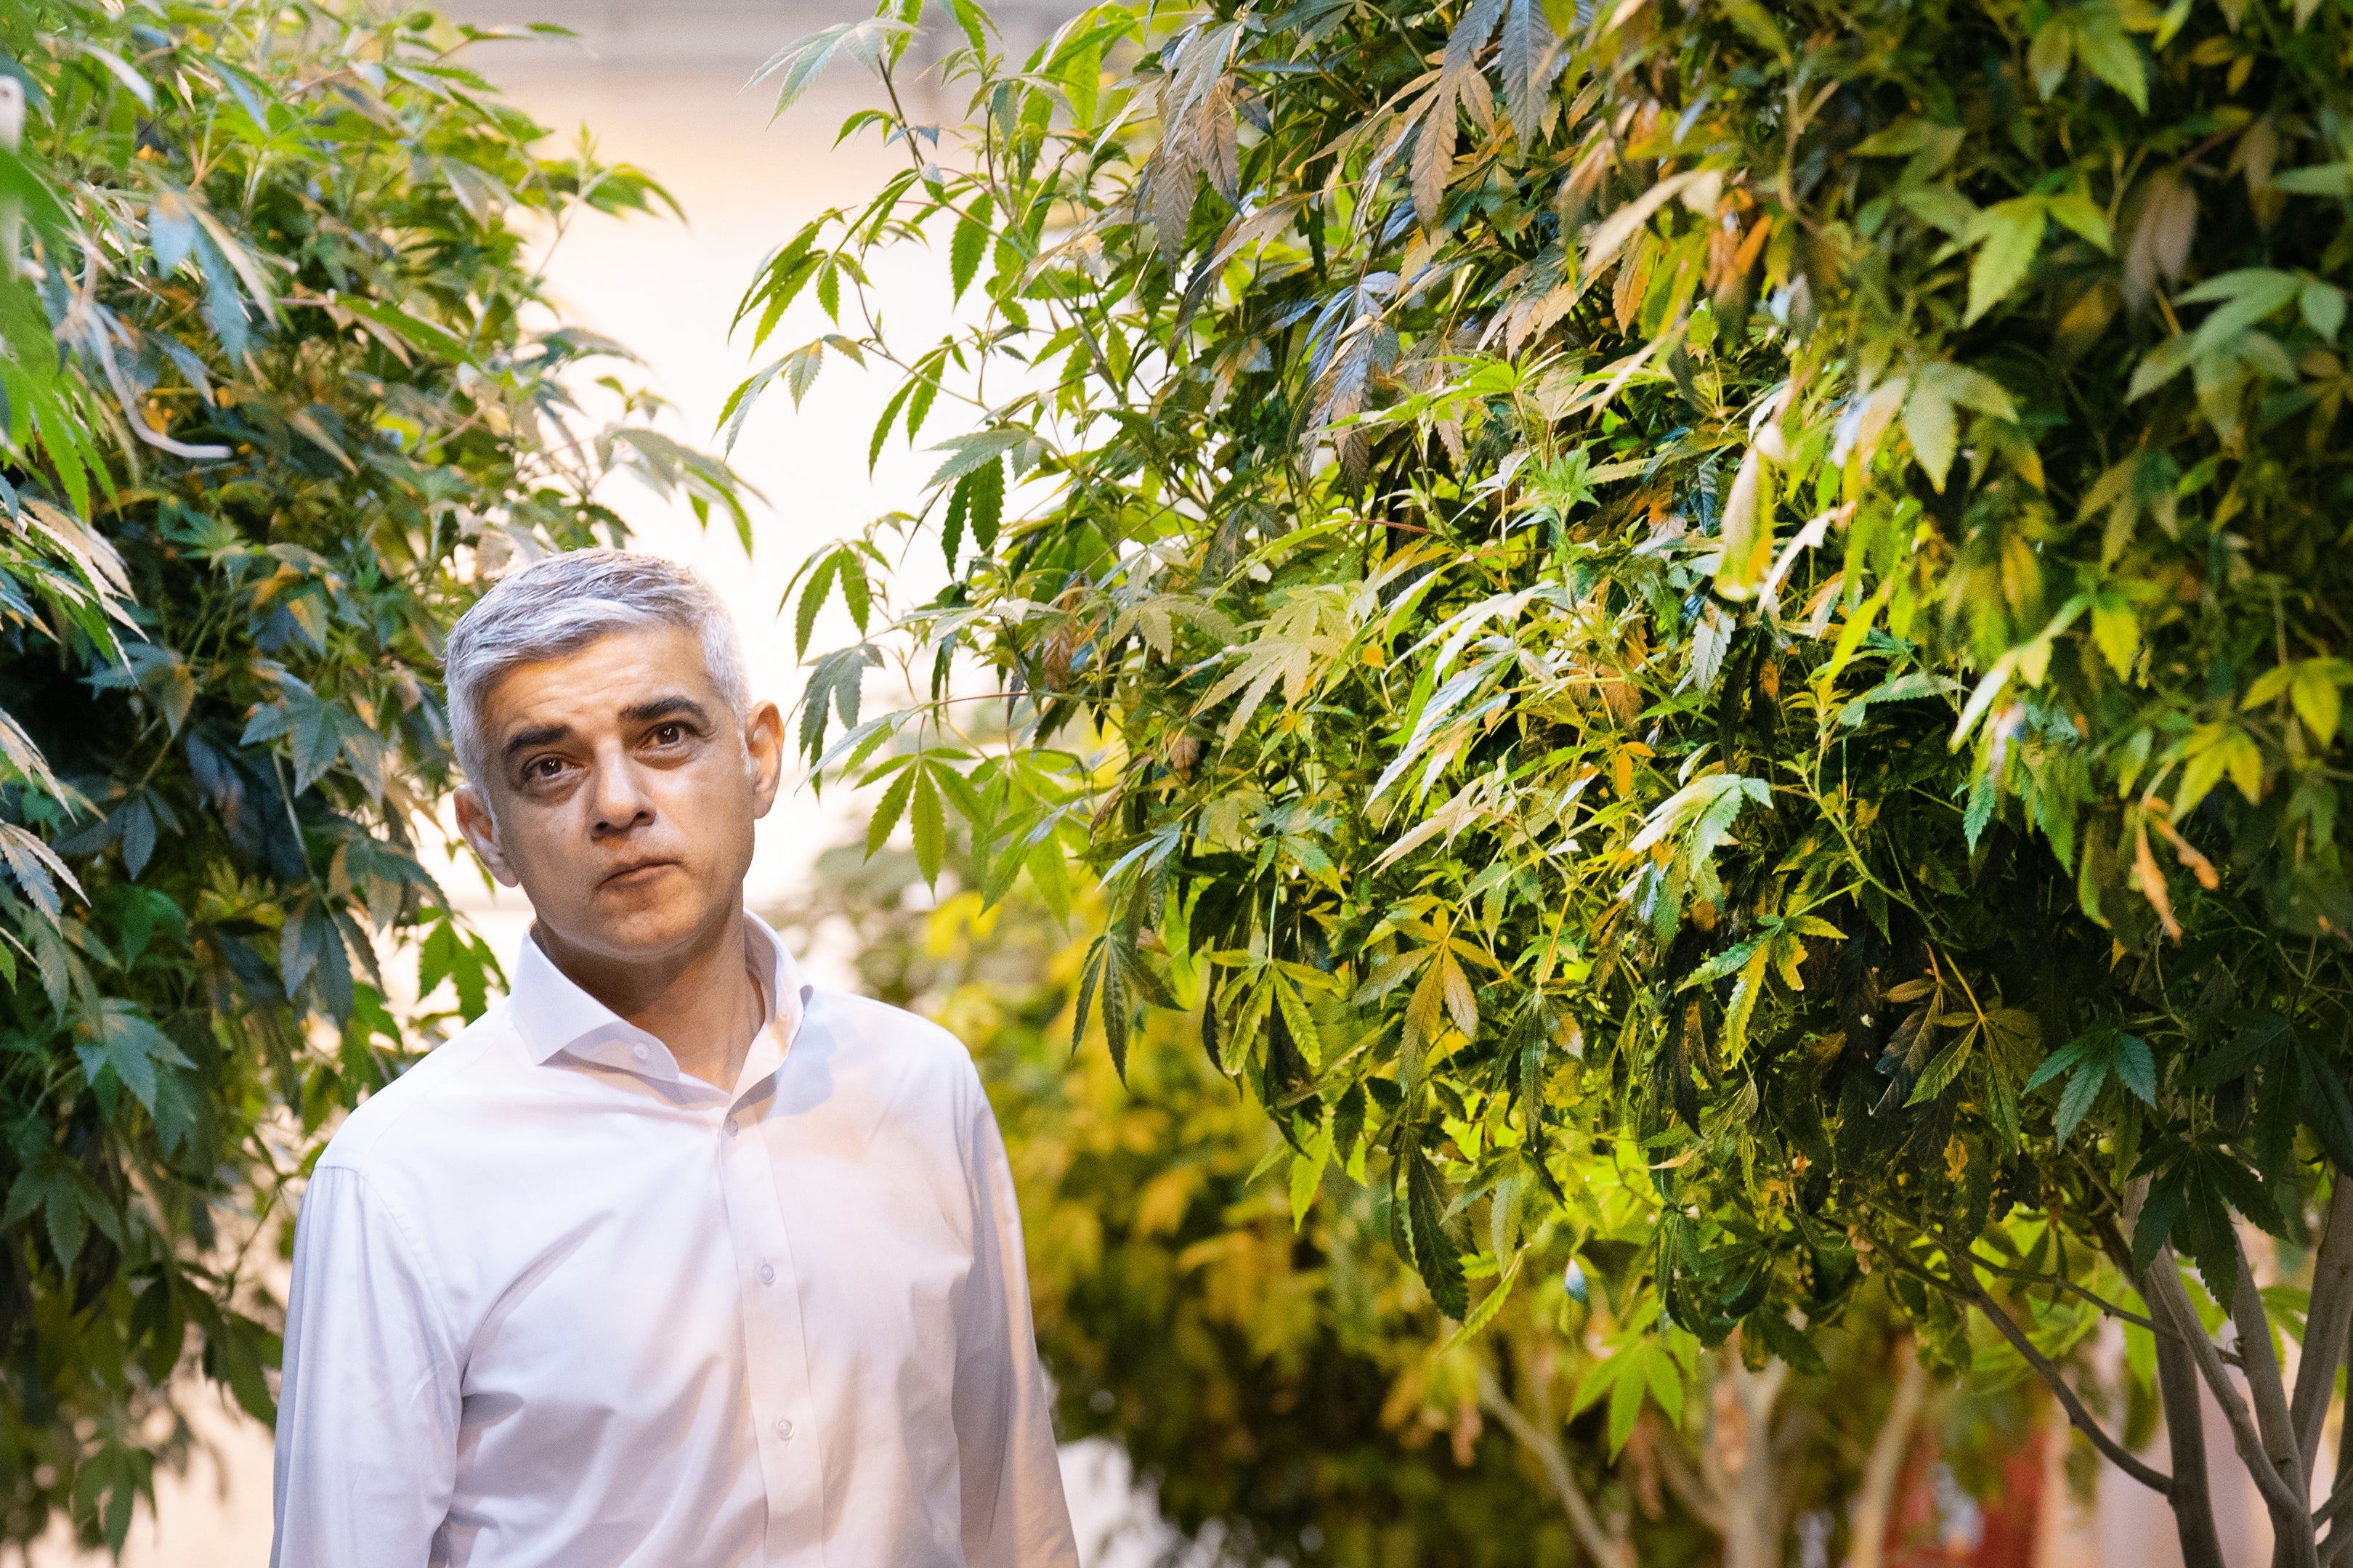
(670, 734)
(546, 768)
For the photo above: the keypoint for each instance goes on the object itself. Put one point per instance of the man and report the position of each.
(671, 1259)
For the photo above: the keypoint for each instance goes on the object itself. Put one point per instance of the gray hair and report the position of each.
(561, 603)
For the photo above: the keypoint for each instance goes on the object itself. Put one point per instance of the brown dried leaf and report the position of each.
(1433, 148)
(2199, 867)
(1218, 135)
(2160, 241)
(2151, 881)
(1633, 280)
(2254, 155)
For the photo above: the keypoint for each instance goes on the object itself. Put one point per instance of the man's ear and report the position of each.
(482, 831)
(764, 754)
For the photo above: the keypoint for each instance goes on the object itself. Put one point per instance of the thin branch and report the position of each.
(2340, 1539)
(2338, 1501)
(2029, 1276)
(2117, 1454)
(1603, 1548)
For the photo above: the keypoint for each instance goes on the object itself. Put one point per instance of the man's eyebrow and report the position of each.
(665, 708)
(524, 739)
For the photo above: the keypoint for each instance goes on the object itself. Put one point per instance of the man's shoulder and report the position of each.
(877, 1031)
(911, 1057)
(386, 1121)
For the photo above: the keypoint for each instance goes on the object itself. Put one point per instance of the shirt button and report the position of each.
(785, 1430)
(733, 1130)
(639, 1052)
(768, 1274)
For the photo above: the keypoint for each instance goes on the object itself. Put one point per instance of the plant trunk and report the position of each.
(2186, 1358)
(1867, 1536)
(2259, 1430)
(2294, 1539)
(1740, 1464)
(2340, 1533)
(2192, 1497)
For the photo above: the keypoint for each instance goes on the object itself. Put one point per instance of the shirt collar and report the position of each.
(553, 1014)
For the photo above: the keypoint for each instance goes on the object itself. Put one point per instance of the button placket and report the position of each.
(791, 1458)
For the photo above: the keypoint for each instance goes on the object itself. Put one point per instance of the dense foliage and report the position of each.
(1756, 588)
(1278, 1379)
(278, 393)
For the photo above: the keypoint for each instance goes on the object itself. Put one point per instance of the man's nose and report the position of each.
(620, 801)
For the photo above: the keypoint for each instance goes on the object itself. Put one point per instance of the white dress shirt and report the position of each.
(558, 1305)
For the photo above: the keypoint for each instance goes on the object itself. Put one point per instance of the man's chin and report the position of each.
(637, 924)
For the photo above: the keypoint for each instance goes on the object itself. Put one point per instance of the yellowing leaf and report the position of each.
(1612, 233)
(2009, 233)
(2053, 50)
(2216, 752)
(2075, 208)
(1307, 1176)
(1744, 1000)
(1930, 425)
(1296, 645)
(1747, 527)
(1425, 1015)
(2313, 693)
(2116, 630)
(1460, 1003)
(2103, 46)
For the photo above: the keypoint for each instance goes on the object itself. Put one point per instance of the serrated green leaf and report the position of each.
(886, 815)
(1490, 1307)
(2075, 1100)
(988, 504)
(952, 527)
(929, 824)
(2009, 235)
(856, 593)
(968, 246)
(1625, 1402)
(2327, 1109)
(2135, 1068)
(1946, 1067)
(1308, 1178)
(813, 597)
(2109, 54)
(970, 452)
(883, 426)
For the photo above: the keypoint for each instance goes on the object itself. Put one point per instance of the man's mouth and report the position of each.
(636, 872)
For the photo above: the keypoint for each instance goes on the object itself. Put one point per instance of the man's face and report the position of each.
(620, 794)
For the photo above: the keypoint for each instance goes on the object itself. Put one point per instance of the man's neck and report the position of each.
(702, 1002)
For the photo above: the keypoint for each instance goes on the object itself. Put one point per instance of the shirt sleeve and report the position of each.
(1014, 1513)
(368, 1405)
